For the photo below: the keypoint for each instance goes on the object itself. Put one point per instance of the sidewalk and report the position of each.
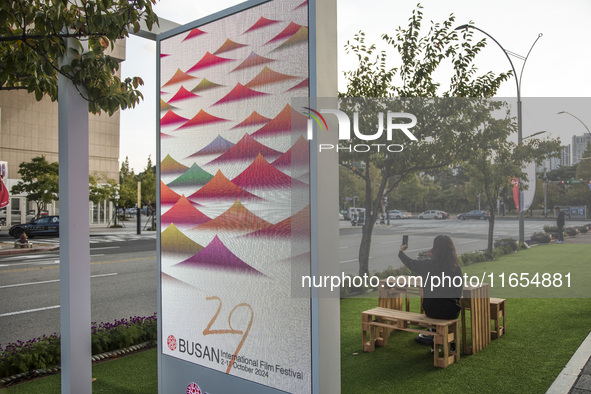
(575, 378)
(7, 243)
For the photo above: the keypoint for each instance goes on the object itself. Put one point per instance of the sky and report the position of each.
(558, 67)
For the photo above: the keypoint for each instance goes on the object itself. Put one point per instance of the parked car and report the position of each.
(45, 225)
(482, 215)
(396, 214)
(434, 214)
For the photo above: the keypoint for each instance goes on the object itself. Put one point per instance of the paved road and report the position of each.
(468, 236)
(123, 284)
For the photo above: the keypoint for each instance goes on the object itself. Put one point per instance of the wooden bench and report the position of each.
(498, 311)
(378, 323)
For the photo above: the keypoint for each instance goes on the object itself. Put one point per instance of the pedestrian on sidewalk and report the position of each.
(560, 224)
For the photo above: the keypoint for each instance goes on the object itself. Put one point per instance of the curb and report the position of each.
(56, 369)
(8, 252)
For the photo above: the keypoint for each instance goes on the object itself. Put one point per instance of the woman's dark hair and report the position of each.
(444, 252)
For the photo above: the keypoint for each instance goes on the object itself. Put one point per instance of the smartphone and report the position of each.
(405, 240)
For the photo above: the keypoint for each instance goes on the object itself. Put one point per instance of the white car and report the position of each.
(433, 214)
(396, 214)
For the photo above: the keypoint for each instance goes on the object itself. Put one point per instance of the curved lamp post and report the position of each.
(583, 123)
(519, 112)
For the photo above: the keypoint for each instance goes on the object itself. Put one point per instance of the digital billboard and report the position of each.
(234, 195)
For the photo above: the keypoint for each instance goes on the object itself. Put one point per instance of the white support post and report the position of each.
(76, 374)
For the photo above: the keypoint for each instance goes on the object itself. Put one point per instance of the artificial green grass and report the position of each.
(542, 335)
(130, 374)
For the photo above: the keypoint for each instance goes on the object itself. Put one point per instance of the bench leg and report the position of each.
(366, 328)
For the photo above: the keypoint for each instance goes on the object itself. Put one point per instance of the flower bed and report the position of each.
(44, 352)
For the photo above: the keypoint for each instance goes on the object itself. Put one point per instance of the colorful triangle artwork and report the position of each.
(170, 119)
(289, 31)
(170, 166)
(194, 176)
(260, 23)
(167, 195)
(240, 92)
(297, 225)
(182, 94)
(204, 85)
(299, 38)
(194, 33)
(254, 119)
(174, 242)
(222, 189)
(297, 156)
(209, 60)
(268, 76)
(253, 60)
(179, 77)
(217, 146)
(262, 175)
(202, 118)
(302, 85)
(287, 121)
(229, 45)
(246, 149)
(183, 213)
(217, 256)
(236, 218)
(164, 106)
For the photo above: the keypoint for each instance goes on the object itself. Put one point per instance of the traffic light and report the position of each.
(562, 182)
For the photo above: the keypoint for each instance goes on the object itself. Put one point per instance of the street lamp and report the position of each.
(519, 112)
(568, 113)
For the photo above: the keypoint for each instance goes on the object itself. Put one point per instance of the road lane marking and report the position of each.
(348, 261)
(28, 257)
(96, 255)
(51, 281)
(106, 247)
(468, 242)
(94, 263)
(29, 311)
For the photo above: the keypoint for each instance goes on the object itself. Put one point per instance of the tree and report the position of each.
(148, 179)
(39, 181)
(33, 38)
(443, 137)
(127, 186)
(497, 160)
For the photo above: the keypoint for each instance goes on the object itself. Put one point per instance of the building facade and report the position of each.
(580, 143)
(29, 128)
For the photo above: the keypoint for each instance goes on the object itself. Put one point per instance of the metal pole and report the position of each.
(139, 208)
(76, 353)
(519, 112)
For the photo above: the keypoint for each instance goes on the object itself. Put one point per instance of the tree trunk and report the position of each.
(365, 246)
(491, 230)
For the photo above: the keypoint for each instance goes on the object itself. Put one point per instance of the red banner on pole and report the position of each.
(4, 197)
(515, 183)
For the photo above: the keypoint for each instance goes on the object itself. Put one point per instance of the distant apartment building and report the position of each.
(552, 163)
(580, 143)
(29, 128)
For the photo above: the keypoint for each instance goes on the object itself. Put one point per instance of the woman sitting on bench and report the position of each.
(441, 296)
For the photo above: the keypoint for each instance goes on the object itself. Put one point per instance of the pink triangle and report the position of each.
(260, 23)
(194, 33)
(182, 94)
(208, 60)
(240, 92)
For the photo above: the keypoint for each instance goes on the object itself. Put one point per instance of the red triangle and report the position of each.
(170, 118)
(236, 218)
(167, 195)
(208, 60)
(287, 121)
(253, 119)
(182, 94)
(297, 156)
(202, 118)
(240, 92)
(178, 77)
(260, 23)
(289, 31)
(221, 188)
(246, 149)
(183, 213)
(194, 33)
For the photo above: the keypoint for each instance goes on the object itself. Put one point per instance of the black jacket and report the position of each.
(560, 219)
(441, 301)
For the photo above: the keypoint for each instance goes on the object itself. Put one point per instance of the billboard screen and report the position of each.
(234, 195)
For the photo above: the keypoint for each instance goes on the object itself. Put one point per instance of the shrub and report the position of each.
(510, 242)
(44, 352)
(583, 229)
(550, 229)
(541, 238)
